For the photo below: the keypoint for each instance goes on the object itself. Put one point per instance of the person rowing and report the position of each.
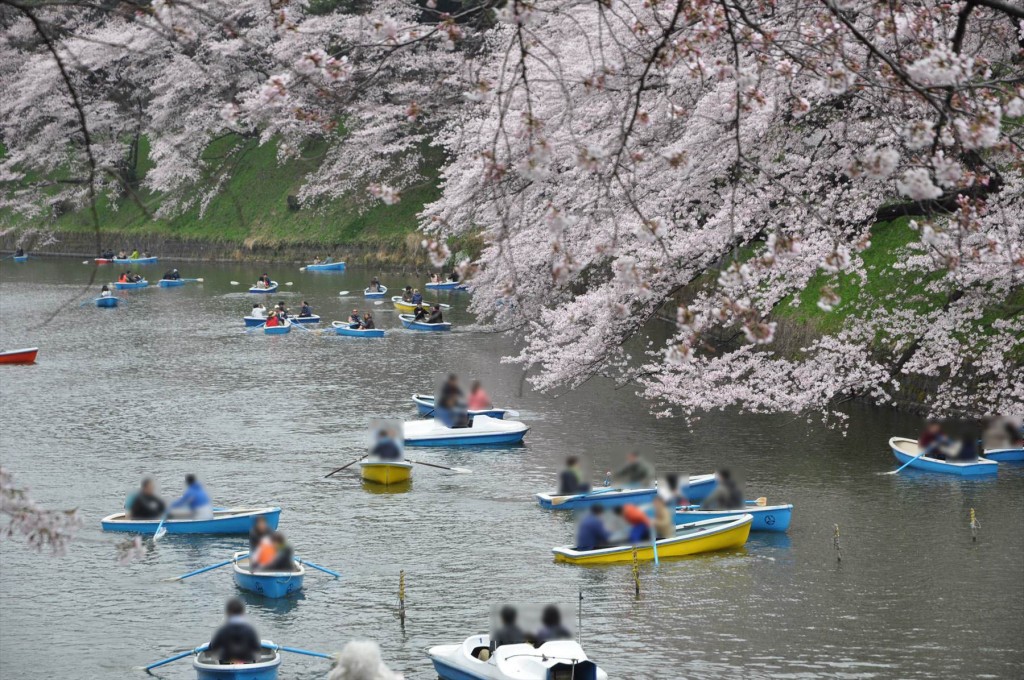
(435, 314)
(195, 499)
(727, 494)
(374, 286)
(305, 311)
(172, 275)
(104, 291)
(419, 314)
(236, 641)
(144, 503)
(639, 524)
(19, 252)
(592, 533)
(571, 479)
(278, 557)
(135, 254)
(636, 473)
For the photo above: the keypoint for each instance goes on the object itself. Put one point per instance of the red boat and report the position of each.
(19, 356)
(104, 260)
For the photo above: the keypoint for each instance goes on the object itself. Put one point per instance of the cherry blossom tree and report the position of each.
(704, 162)
(42, 529)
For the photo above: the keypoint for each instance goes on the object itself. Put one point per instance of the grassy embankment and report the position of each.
(252, 211)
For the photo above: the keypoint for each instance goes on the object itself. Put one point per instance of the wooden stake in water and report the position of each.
(835, 544)
(401, 597)
(579, 621)
(975, 525)
(636, 572)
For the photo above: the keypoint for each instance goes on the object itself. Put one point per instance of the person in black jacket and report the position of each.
(435, 315)
(727, 494)
(509, 633)
(146, 504)
(284, 559)
(260, 528)
(551, 626)
(570, 480)
(236, 641)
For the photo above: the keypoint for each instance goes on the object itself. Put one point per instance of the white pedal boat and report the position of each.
(481, 430)
(550, 661)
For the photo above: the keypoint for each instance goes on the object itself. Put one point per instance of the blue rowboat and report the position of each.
(20, 258)
(481, 430)
(135, 260)
(407, 321)
(906, 450)
(228, 521)
(1005, 455)
(312, 318)
(444, 285)
(129, 286)
(766, 518)
(283, 329)
(608, 497)
(425, 405)
(171, 283)
(353, 330)
(251, 321)
(375, 294)
(270, 289)
(267, 583)
(326, 267)
(209, 667)
(109, 301)
(699, 487)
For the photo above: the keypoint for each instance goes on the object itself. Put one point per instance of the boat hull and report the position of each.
(253, 321)
(694, 538)
(312, 318)
(20, 258)
(265, 669)
(171, 283)
(1005, 455)
(407, 321)
(231, 522)
(326, 267)
(699, 487)
(353, 331)
(131, 286)
(277, 330)
(19, 356)
(445, 285)
(265, 291)
(769, 518)
(378, 294)
(405, 307)
(129, 260)
(425, 406)
(110, 301)
(555, 660)
(606, 498)
(905, 450)
(379, 472)
(267, 584)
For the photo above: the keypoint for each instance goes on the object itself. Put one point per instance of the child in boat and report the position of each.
(195, 499)
(592, 532)
(236, 641)
(570, 480)
(478, 399)
(144, 503)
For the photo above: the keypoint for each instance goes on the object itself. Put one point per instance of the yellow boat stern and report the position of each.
(405, 307)
(391, 472)
(691, 539)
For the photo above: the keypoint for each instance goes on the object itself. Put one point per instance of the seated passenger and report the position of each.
(123, 278)
(435, 315)
(570, 480)
(305, 310)
(592, 533)
(258, 311)
(968, 452)
(551, 626)
(195, 499)
(664, 519)
(354, 317)
(478, 399)
(374, 286)
(386, 448)
(639, 524)
(367, 322)
(419, 314)
(260, 528)
(104, 291)
(172, 275)
(145, 504)
(407, 294)
(636, 473)
(509, 633)
(236, 641)
(283, 555)
(417, 297)
(727, 494)
(272, 319)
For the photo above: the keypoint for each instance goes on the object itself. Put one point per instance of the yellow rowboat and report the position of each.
(693, 538)
(386, 472)
(406, 307)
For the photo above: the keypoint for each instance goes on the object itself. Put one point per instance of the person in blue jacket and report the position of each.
(592, 533)
(195, 499)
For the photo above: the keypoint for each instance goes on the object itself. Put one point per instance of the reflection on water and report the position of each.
(170, 384)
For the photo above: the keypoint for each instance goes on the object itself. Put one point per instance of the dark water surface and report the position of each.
(169, 384)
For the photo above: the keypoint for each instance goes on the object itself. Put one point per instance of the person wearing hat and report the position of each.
(171, 275)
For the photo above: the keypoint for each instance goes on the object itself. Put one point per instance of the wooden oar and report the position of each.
(197, 650)
(559, 500)
(345, 466)
(461, 471)
(897, 470)
(160, 531)
(191, 280)
(203, 570)
(344, 292)
(317, 566)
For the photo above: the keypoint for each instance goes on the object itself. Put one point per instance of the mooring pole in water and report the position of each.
(636, 572)
(835, 543)
(975, 525)
(401, 597)
(579, 621)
